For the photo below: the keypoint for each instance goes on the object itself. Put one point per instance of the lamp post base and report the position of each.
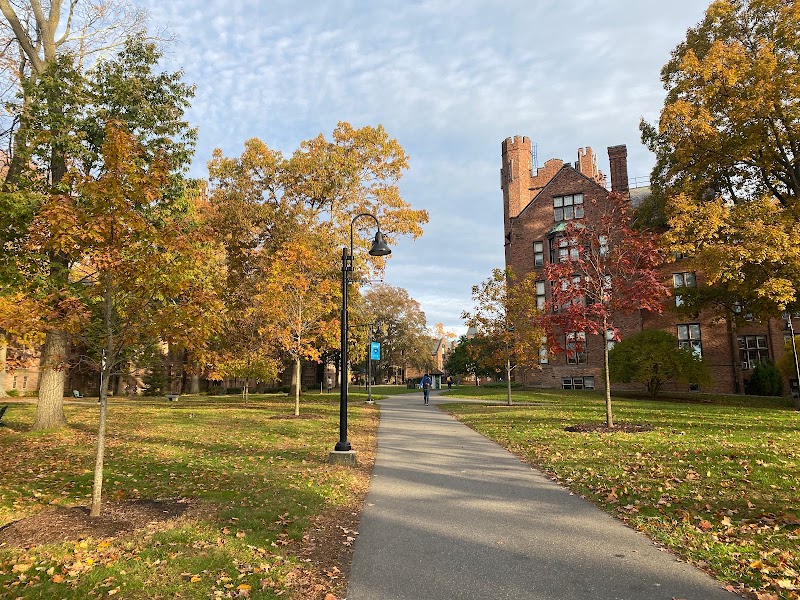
(343, 457)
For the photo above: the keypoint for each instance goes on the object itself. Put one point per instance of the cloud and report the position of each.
(450, 79)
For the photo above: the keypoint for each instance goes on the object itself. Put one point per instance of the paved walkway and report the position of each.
(452, 515)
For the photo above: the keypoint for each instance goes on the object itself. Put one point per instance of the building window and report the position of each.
(689, 338)
(752, 350)
(610, 341)
(538, 254)
(14, 383)
(566, 208)
(568, 250)
(576, 348)
(543, 354)
(25, 382)
(577, 383)
(577, 300)
(540, 297)
(681, 280)
(603, 240)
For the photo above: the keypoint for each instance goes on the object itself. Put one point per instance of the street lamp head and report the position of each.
(379, 246)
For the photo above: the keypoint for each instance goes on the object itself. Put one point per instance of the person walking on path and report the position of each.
(449, 382)
(426, 388)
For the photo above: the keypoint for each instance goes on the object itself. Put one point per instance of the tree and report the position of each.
(404, 340)
(731, 117)
(505, 316)
(471, 356)
(654, 358)
(612, 272)
(262, 200)
(143, 264)
(728, 149)
(62, 116)
(299, 299)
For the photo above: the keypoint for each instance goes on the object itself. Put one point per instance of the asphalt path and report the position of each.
(450, 514)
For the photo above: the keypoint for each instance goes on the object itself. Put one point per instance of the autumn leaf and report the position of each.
(705, 525)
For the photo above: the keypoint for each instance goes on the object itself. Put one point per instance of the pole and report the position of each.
(343, 445)
(796, 364)
(369, 366)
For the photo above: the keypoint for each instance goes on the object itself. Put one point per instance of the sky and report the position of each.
(449, 79)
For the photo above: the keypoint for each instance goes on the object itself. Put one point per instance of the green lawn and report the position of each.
(255, 479)
(717, 480)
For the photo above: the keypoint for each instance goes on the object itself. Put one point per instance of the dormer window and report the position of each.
(566, 208)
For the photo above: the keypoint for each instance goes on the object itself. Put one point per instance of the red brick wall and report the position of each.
(528, 216)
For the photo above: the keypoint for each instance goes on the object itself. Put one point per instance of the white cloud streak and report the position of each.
(450, 79)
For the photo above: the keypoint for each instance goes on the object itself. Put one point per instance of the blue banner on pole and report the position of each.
(375, 351)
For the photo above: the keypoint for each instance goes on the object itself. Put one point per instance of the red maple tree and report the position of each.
(604, 269)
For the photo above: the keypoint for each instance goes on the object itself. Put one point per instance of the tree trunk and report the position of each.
(194, 384)
(508, 376)
(97, 488)
(50, 407)
(122, 383)
(609, 414)
(3, 353)
(106, 366)
(296, 386)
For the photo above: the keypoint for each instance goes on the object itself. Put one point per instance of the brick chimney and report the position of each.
(618, 164)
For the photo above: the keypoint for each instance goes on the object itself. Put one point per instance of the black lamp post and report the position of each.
(379, 248)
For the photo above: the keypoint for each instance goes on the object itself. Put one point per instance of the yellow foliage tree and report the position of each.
(728, 152)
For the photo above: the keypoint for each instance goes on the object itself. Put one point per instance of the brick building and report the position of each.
(537, 205)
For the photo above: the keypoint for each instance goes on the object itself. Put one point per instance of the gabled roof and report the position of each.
(555, 177)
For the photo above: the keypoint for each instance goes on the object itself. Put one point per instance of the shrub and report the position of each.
(13, 393)
(766, 380)
(653, 357)
(233, 390)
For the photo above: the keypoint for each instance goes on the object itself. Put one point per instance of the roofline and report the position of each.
(552, 179)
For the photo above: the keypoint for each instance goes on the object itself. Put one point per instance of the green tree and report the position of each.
(472, 357)
(765, 380)
(62, 115)
(654, 358)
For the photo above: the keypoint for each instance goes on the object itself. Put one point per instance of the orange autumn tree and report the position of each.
(261, 199)
(144, 263)
(506, 319)
(300, 297)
